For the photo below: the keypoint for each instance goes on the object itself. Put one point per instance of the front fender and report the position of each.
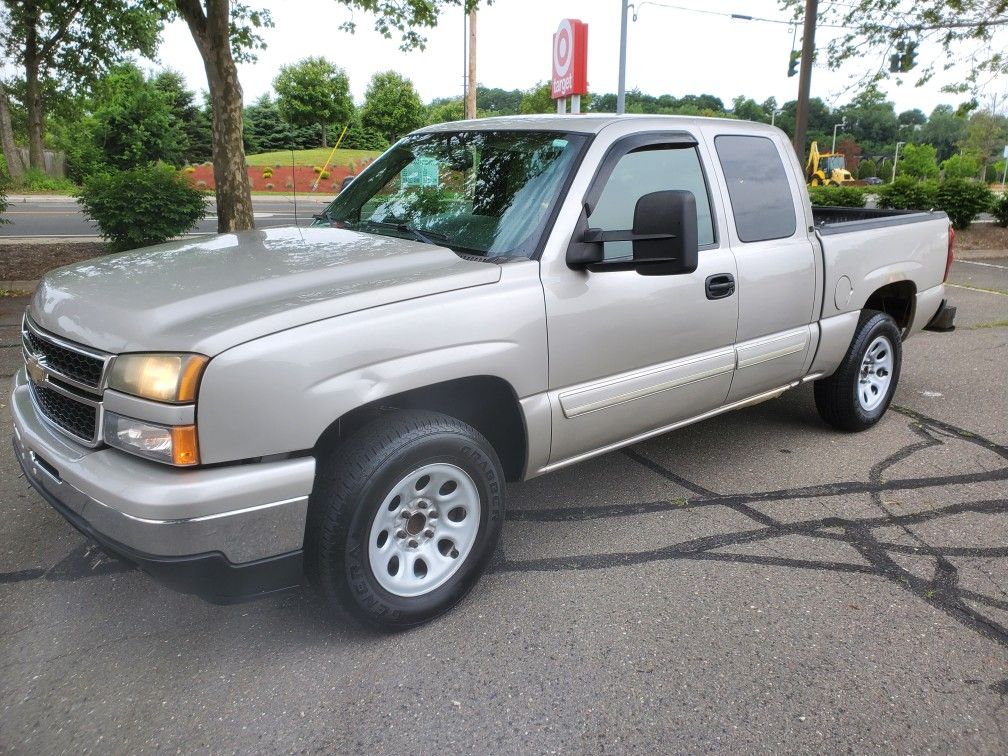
(279, 393)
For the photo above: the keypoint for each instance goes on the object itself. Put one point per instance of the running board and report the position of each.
(765, 396)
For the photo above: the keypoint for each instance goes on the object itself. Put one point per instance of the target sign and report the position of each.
(570, 59)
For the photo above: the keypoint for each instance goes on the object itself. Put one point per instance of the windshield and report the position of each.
(480, 192)
(832, 163)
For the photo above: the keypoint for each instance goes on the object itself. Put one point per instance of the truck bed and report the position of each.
(841, 220)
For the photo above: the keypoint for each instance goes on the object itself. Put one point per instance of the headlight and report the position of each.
(173, 445)
(161, 377)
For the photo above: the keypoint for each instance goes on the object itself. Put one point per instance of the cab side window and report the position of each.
(646, 170)
(758, 187)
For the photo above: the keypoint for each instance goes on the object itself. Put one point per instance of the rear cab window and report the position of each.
(758, 187)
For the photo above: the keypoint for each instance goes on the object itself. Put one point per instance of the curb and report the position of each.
(18, 286)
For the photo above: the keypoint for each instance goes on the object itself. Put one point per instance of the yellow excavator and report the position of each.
(827, 168)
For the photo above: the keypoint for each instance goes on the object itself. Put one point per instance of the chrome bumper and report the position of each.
(244, 512)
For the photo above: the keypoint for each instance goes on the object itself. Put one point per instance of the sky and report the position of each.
(670, 50)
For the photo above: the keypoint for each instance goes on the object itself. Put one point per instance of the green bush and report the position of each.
(919, 161)
(141, 206)
(962, 200)
(1000, 209)
(960, 167)
(867, 168)
(35, 180)
(907, 193)
(837, 196)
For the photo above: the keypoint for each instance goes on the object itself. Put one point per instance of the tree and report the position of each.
(913, 117)
(446, 109)
(497, 101)
(985, 135)
(391, 106)
(960, 167)
(135, 124)
(919, 161)
(68, 44)
(971, 33)
(313, 91)
(867, 169)
(944, 129)
(225, 33)
(820, 119)
(266, 131)
(361, 137)
(538, 99)
(748, 109)
(194, 119)
(871, 119)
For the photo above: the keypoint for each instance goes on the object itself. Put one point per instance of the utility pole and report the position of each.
(470, 103)
(805, 76)
(621, 92)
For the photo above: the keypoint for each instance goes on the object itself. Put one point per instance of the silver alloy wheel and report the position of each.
(424, 529)
(875, 377)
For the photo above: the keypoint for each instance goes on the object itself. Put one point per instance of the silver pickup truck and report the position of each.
(487, 302)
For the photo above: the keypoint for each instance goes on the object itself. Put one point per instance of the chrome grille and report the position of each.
(71, 415)
(66, 381)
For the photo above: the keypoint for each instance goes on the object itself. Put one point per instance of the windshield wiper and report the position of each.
(427, 237)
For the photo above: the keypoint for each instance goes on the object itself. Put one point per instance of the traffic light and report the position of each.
(904, 58)
(792, 69)
(909, 59)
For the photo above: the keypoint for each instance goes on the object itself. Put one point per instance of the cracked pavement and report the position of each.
(756, 582)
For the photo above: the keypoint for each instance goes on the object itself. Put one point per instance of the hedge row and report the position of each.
(837, 196)
(961, 199)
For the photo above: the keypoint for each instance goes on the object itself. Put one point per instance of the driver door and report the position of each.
(631, 354)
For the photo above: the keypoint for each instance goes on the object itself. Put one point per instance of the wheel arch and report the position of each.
(486, 402)
(898, 300)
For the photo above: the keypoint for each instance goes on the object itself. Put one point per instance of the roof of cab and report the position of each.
(590, 123)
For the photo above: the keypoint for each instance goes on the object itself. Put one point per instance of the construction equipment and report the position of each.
(827, 168)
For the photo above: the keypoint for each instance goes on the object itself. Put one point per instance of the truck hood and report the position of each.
(207, 295)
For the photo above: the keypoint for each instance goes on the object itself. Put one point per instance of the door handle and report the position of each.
(720, 285)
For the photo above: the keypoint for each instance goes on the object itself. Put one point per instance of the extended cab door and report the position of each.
(630, 353)
(778, 276)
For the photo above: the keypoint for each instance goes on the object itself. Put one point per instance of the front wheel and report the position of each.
(856, 396)
(404, 518)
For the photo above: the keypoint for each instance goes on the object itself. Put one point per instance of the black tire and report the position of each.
(354, 481)
(836, 397)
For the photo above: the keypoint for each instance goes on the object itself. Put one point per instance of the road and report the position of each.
(757, 582)
(61, 217)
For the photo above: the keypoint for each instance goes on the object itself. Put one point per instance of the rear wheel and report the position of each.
(404, 518)
(856, 396)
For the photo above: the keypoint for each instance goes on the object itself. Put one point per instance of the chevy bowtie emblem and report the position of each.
(35, 370)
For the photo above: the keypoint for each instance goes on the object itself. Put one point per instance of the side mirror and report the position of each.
(664, 237)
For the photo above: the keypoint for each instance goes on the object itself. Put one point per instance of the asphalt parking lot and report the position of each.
(757, 582)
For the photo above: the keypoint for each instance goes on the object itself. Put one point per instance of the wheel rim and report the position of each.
(424, 529)
(876, 374)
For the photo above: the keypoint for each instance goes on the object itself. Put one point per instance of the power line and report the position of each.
(736, 16)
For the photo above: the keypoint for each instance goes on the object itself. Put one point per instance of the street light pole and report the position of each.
(621, 92)
(840, 125)
(773, 116)
(895, 159)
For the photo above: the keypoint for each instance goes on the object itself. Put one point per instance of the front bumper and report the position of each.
(225, 533)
